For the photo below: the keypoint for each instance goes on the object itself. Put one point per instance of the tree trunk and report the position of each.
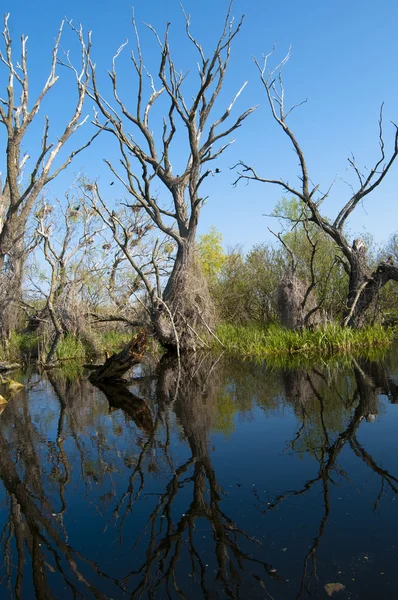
(364, 286)
(178, 316)
(11, 291)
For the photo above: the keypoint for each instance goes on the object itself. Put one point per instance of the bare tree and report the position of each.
(364, 282)
(146, 164)
(67, 248)
(22, 186)
(297, 304)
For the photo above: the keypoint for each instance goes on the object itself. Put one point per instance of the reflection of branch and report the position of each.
(164, 547)
(137, 472)
(300, 431)
(40, 531)
(386, 477)
(166, 537)
(327, 457)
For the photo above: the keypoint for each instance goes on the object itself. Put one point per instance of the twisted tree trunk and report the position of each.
(185, 305)
(365, 285)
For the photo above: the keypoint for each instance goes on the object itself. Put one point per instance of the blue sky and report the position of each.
(344, 61)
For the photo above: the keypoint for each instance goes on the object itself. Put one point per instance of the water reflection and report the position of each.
(208, 480)
(323, 434)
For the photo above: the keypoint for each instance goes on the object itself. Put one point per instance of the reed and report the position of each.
(275, 341)
(70, 348)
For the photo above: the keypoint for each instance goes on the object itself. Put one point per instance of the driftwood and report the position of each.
(117, 365)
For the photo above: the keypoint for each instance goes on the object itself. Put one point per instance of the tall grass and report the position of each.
(69, 348)
(19, 347)
(22, 347)
(275, 341)
(113, 341)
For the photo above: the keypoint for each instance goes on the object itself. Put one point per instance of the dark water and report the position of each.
(238, 482)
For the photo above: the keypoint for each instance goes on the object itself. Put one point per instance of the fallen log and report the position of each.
(8, 366)
(117, 365)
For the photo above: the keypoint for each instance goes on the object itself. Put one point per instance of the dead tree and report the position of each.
(146, 163)
(297, 304)
(22, 185)
(68, 240)
(364, 282)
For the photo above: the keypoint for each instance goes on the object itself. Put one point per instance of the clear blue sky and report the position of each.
(344, 60)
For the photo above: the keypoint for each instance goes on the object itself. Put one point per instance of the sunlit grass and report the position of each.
(113, 341)
(279, 344)
(19, 347)
(70, 348)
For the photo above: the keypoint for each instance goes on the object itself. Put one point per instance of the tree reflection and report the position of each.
(137, 462)
(62, 426)
(173, 542)
(314, 396)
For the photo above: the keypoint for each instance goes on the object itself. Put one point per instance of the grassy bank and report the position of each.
(276, 342)
(24, 348)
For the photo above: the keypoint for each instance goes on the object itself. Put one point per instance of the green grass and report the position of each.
(70, 348)
(278, 343)
(22, 347)
(19, 347)
(113, 341)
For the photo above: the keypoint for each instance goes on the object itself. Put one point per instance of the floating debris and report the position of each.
(14, 386)
(332, 588)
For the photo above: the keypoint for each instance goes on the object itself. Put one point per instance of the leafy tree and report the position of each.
(211, 254)
(320, 262)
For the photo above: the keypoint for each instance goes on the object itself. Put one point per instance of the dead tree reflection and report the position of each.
(363, 404)
(168, 511)
(34, 534)
(172, 537)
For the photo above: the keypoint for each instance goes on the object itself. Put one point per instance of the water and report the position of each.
(227, 481)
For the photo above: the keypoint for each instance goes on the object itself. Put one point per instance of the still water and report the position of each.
(221, 480)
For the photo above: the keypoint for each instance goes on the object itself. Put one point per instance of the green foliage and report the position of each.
(319, 259)
(245, 291)
(244, 286)
(388, 298)
(290, 209)
(19, 347)
(211, 254)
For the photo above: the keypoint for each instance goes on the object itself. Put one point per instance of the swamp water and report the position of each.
(247, 483)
